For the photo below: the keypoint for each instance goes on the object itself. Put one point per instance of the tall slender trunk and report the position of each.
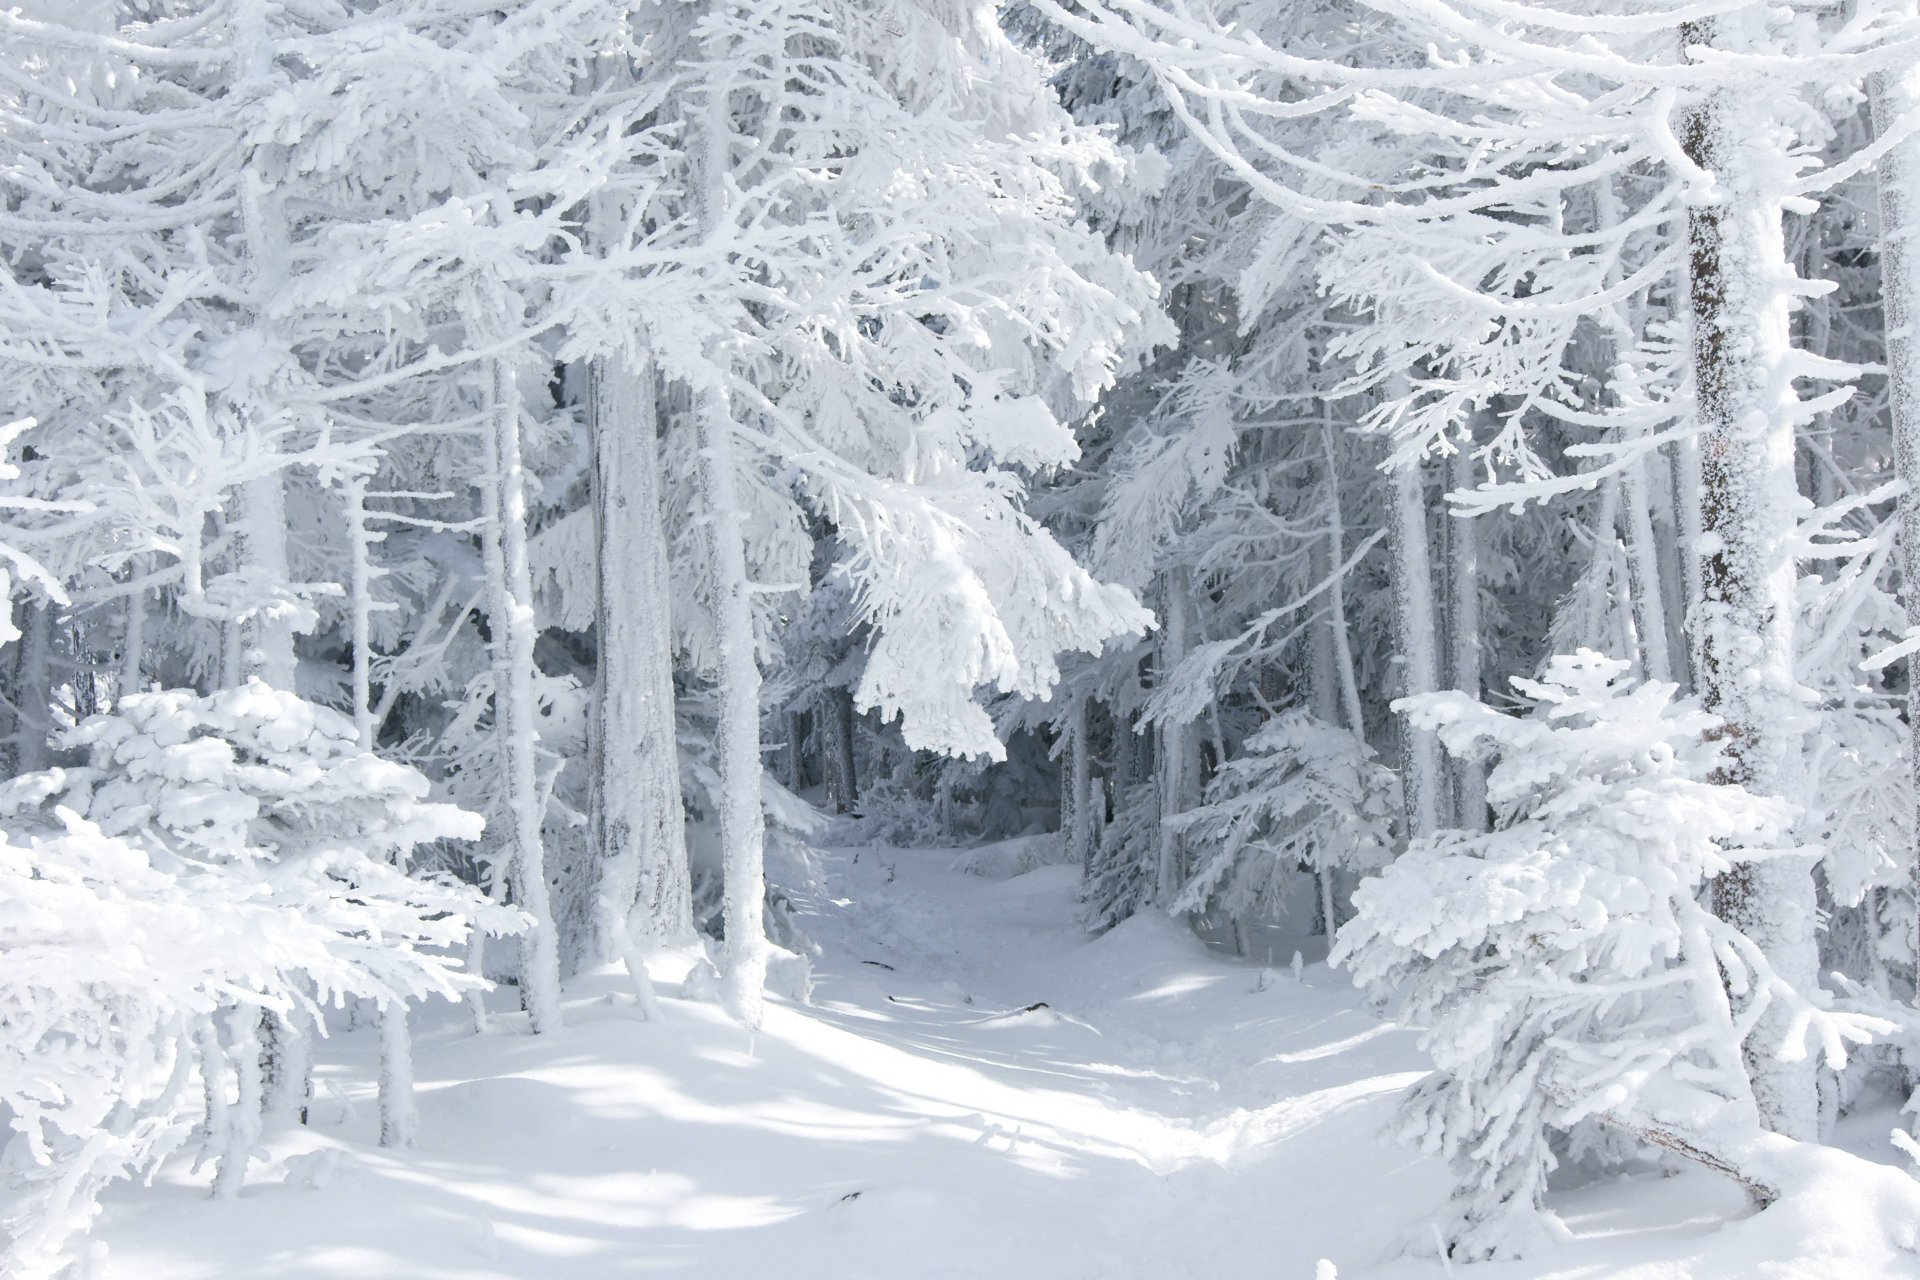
(33, 688)
(737, 674)
(1600, 626)
(133, 640)
(1741, 347)
(645, 886)
(399, 1116)
(1337, 593)
(360, 542)
(1895, 93)
(263, 549)
(1076, 789)
(515, 717)
(241, 1129)
(1643, 572)
(1176, 746)
(1635, 516)
(1420, 776)
(1690, 519)
(796, 758)
(1463, 654)
(836, 721)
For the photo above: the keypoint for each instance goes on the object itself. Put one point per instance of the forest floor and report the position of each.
(976, 1090)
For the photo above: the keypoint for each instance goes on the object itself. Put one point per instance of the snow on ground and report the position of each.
(1164, 1112)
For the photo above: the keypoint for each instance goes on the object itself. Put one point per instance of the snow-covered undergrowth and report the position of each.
(977, 1090)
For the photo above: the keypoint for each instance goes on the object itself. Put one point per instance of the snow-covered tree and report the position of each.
(214, 857)
(1563, 965)
(1301, 796)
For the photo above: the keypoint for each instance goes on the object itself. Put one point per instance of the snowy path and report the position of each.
(1161, 1118)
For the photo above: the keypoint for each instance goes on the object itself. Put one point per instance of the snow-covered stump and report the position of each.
(1740, 292)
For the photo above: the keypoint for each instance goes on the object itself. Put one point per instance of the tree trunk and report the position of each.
(1076, 790)
(1337, 593)
(1463, 655)
(1176, 746)
(1738, 269)
(1620, 326)
(1690, 527)
(834, 712)
(515, 716)
(33, 688)
(133, 642)
(1895, 93)
(737, 675)
(263, 549)
(645, 886)
(1420, 774)
(1643, 570)
(796, 756)
(241, 1127)
(399, 1116)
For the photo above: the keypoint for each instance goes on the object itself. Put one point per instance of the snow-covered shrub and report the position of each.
(1562, 964)
(1303, 795)
(216, 857)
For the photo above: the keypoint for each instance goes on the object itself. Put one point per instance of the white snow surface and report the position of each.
(1169, 1113)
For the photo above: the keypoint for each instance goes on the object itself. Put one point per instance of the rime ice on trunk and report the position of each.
(1896, 93)
(399, 1116)
(242, 1121)
(263, 547)
(1635, 516)
(1463, 637)
(1643, 568)
(516, 719)
(1742, 364)
(737, 677)
(286, 1057)
(640, 829)
(1414, 623)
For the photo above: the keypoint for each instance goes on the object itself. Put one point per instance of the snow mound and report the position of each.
(1005, 859)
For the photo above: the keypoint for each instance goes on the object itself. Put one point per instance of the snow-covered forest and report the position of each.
(896, 638)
